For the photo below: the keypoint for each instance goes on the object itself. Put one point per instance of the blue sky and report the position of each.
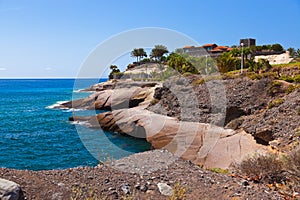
(52, 38)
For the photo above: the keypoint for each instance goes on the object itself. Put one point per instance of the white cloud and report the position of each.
(3, 69)
(48, 68)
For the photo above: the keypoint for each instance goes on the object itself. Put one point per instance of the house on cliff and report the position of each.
(212, 50)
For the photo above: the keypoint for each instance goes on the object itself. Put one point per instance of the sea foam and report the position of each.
(56, 105)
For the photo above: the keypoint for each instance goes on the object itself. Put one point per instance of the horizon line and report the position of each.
(52, 78)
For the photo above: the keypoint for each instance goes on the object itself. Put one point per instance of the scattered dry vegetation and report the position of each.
(219, 170)
(279, 172)
(275, 103)
(86, 193)
(154, 101)
(179, 192)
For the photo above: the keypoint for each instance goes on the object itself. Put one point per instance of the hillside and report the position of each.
(263, 106)
(211, 127)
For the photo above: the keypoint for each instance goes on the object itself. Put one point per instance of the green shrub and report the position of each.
(226, 76)
(292, 64)
(199, 81)
(211, 78)
(180, 64)
(274, 87)
(287, 79)
(297, 132)
(291, 88)
(261, 64)
(253, 76)
(154, 101)
(275, 103)
(269, 75)
(297, 78)
(219, 170)
(235, 123)
(187, 74)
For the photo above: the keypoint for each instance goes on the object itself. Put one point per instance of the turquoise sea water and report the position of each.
(34, 136)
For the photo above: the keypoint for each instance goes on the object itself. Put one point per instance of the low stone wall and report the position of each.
(283, 58)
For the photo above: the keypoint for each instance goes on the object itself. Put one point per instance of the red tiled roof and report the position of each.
(221, 47)
(217, 50)
(208, 45)
(188, 47)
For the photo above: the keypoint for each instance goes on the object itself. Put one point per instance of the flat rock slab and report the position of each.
(203, 144)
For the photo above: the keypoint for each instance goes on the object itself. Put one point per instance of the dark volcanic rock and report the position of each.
(280, 122)
(246, 107)
(241, 97)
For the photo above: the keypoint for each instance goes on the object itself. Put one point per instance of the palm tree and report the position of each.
(138, 53)
(226, 62)
(142, 53)
(246, 52)
(135, 53)
(292, 52)
(236, 52)
(114, 72)
(158, 52)
(298, 53)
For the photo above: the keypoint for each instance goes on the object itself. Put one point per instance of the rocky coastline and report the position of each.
(130, 104)
(193, 131)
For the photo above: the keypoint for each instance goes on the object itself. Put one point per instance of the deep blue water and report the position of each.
(35, 137)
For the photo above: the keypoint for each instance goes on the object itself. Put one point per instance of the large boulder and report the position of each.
(10, 190)
(203, 144)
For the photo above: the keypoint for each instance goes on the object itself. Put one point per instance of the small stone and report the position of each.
(137, 186)
(245, 183)
(106, 180)
(57, 196)
(150, 192)
(115, 195)
(165, 189)
(60, 184)
(125, 188)
(143, 188)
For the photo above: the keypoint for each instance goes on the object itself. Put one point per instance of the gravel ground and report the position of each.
(138, 176)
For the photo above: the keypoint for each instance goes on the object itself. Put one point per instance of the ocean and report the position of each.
(35, 136)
